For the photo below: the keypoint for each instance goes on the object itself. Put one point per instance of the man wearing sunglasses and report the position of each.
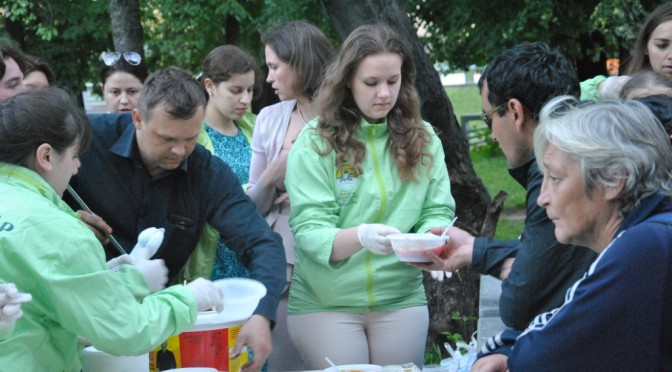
(144, 169)
(535, 270)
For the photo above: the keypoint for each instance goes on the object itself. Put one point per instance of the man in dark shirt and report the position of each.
(145, 170)
(536, 270)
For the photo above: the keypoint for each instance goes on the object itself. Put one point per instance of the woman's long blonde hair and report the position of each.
(340, 116)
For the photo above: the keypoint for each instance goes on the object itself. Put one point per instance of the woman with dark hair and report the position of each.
(228, 76)
(367, 167)
(50, 253)
(121, 79)
(297, 54)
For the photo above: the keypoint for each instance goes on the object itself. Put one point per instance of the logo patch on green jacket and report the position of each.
(345, 184)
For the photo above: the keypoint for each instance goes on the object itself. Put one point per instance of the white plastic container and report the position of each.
(94, 360)
(414, 247)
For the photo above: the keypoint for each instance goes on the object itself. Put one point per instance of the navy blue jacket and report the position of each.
(618, 317)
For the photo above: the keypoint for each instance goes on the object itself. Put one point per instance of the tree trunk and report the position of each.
(461, 293)
(127, 34)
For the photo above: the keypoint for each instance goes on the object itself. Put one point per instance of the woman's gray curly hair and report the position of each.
(613, 141)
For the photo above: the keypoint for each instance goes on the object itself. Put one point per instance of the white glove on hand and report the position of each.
(155, 273)
(117, 262)
(440, 274)
(207, 295)
(374, 237)
(10, 304)
(149, 241)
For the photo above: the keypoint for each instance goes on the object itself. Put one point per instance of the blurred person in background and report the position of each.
(37, 73)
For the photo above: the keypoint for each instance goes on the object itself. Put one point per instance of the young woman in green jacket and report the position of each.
(48, 252)
(367, 167)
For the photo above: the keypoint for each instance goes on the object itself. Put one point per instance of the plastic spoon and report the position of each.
(443, 235)
(331, 363)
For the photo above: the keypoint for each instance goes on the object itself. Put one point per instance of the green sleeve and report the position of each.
(439, 203)
(314, 214)
(589, 88)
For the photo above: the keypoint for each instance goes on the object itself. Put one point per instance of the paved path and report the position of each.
(489, 322)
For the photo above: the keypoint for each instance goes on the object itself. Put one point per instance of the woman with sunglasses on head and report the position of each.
(121, 79)
(368, 167)
(297, 54)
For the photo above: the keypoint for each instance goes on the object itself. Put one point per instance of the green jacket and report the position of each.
(326, 198)
(48, 252)
(202, 260)
(589, 91)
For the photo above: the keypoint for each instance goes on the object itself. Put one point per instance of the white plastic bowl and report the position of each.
(355, 368)
(414, 247)
(241, 297)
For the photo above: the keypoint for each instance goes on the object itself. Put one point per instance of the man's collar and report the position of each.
(127, 147)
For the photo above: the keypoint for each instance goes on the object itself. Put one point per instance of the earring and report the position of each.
(211, 94)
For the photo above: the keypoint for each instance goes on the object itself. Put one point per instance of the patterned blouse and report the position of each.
(236, 153)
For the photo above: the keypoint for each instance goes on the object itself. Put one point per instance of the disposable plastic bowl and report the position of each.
(355, 368)
(241, 296)
(414, 247)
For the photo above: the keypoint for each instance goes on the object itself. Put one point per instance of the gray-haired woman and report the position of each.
(607, 178)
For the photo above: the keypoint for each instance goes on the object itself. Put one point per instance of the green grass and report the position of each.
(465, 99)
(493, 170)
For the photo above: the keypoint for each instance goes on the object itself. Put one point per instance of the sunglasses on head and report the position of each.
(110, 58)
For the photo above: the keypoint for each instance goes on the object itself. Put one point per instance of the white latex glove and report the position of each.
(116, 263)
(149, 241)
(155, 273)
(611, 86)
(374, 237)
(439, 275)
(10, 304)
(207, 295)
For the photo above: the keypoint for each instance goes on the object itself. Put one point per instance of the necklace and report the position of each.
(300, 114)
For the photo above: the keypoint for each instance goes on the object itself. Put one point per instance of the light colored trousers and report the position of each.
(382, 337)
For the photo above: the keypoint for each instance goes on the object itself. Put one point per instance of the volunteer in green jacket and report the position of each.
(367, 167)
(52, 255)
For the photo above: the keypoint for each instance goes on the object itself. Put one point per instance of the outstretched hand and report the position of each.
(455, 255)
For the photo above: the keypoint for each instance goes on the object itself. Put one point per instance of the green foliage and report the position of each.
(436, 353)
(179, 33)
(433, 355)
(464, 322)
(615, 19)
(465, 32)
(68, 35)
